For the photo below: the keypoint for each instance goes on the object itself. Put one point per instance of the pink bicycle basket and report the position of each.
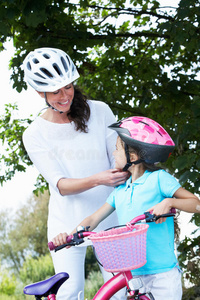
(121, 249)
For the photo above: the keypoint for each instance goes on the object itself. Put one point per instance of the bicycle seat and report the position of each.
(46, 287)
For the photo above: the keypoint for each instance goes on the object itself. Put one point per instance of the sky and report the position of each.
(16, 192)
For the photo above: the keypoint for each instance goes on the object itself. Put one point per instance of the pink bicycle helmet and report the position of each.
(149, 138)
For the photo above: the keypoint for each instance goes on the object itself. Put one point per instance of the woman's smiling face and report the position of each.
(62, 98)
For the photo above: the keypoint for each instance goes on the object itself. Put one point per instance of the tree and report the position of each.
(13, 157)
(36, 269)
(140, 58)
(8, 282)
(29, 226)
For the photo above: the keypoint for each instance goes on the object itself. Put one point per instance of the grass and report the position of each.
(16, 297)
(92, 284)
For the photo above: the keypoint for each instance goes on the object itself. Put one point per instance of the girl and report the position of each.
(141, 143)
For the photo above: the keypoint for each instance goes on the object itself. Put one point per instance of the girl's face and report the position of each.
(62, 98)
(119, 155)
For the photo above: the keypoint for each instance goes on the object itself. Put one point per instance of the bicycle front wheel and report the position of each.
(149, 297)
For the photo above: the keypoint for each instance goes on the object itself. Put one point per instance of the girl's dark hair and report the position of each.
(151, 167)
(148, 167)
(80, 111)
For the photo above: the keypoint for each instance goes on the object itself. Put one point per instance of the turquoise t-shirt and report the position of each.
(133, 199)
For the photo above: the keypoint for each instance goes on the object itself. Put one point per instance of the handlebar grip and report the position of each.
(53, 247)
(172, 210)
(69, 238)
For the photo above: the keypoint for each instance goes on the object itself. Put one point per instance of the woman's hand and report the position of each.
(112, 177)
(72, 186)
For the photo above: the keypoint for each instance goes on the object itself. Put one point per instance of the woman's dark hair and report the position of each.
(79, 111)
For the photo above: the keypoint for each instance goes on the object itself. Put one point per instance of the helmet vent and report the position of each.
(46, 72)
(57, 69)
(40, 83)
(64, 64)
(159, 133)
(144, 123)
(35, 61)
(28, 66)
(46, 56)
(39, 75)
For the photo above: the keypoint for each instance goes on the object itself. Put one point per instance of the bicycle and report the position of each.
(125, 249)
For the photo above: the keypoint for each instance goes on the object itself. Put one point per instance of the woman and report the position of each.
(71, 146)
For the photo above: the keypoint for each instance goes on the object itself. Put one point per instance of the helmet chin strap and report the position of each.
(129, 162)
(45, 96)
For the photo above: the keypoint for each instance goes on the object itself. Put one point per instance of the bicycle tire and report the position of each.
(150, 297)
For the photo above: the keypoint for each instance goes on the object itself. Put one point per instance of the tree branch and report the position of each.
(131, 11)
(115, 35)
(137, 12)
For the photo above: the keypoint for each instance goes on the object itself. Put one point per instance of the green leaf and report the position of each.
(181, 162)
(183, 178)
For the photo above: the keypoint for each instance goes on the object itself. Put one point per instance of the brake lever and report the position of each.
(63, 246)
(77, 239)
(149, 217)
(153, 218)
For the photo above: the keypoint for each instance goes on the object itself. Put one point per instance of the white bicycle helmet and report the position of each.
(49, 69)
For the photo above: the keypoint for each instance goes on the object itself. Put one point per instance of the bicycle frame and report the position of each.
(116, 283)
(48, 288)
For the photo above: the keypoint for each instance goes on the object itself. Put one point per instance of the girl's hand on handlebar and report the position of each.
(160, 209)
(60, 239)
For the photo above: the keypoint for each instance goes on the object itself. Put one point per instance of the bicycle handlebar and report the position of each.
(78, 237)
(72, 240)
